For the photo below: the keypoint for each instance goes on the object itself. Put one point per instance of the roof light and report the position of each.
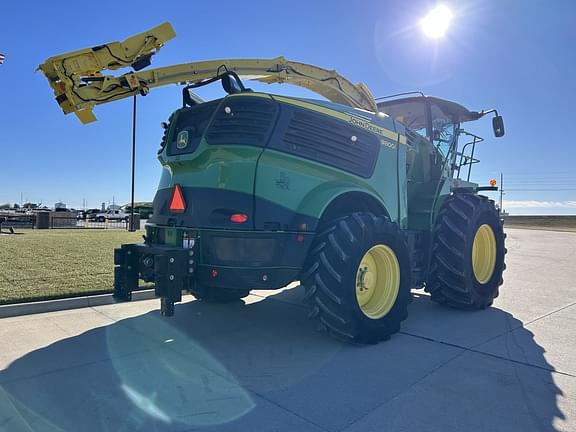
(238, 218)
(177, 203)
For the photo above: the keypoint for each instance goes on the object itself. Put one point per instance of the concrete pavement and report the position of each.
(260, 366)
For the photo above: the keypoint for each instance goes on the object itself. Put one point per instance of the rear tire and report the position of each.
(467, 253)
(345, 298)
(218, 295)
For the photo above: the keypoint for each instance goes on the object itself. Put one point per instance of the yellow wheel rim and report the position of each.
(377, 281)
(484, 254)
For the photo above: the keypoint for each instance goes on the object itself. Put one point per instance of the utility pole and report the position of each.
(501, 191)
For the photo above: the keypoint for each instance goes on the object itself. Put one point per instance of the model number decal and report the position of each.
(388, 144)
(374, 129)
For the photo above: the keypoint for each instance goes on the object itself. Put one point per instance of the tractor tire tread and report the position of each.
(451, 280)
(328, 267)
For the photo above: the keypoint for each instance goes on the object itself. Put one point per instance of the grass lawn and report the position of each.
(46, 264)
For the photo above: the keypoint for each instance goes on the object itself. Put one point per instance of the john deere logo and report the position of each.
(182, 140)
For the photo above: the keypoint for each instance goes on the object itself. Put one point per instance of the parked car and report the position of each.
(89, 214)
(112, 215)
(143, 209)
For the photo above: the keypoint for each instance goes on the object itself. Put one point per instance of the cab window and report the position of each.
(412, 114)
(443, 130)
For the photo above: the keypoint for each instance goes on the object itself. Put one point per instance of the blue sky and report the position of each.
(516, 56)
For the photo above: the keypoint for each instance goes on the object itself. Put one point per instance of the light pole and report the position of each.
(501, 190)
(131, 224)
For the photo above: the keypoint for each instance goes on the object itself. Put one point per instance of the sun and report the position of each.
(436, 22)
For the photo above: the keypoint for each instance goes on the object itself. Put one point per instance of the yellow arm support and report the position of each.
(78, 84)
(64, 72)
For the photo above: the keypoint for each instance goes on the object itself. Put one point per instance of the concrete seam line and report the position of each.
(526, 324)
(77, 366)
(407, 389)
(494, 356)
(19, 309)
(288, 410)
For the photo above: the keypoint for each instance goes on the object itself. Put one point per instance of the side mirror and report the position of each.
(498, 126)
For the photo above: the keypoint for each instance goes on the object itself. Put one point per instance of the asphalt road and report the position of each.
(260, 366)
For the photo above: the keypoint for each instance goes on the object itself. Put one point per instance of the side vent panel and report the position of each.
(332, 142)
(244, 121)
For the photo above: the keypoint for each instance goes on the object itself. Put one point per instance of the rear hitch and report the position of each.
(166, 307)
(170, 272)
(169, 268)
(126, 273)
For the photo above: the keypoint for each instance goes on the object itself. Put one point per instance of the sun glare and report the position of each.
(435, 24)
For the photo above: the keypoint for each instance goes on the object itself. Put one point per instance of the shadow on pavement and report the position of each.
(261, 367)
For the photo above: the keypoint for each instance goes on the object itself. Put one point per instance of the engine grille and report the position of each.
(331, 142)
(244, 121)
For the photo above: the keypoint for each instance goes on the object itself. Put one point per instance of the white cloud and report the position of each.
(539, 204)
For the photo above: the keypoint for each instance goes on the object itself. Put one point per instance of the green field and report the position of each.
(46, 264)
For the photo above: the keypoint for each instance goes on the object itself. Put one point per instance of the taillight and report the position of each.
(238, 218)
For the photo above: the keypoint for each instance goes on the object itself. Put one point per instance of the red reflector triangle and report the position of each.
(177, 203)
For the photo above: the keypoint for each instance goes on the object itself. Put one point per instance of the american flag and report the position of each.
(2, 57)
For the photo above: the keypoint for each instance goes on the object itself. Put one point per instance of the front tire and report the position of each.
(467, 254)
(357, 278)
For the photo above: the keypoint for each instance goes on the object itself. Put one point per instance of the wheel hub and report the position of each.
(377, 281)
(484, 254)
(366, 279)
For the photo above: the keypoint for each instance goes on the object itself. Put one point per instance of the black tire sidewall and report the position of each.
(366, 327)
(489, 216)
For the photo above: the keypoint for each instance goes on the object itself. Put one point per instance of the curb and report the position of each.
(18, 309)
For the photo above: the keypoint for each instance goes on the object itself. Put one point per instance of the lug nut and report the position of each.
(171, 260)
(171, 277)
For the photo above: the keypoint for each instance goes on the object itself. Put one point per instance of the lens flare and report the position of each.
(436, 23)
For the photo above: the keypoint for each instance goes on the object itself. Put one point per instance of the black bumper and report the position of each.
(214, 259)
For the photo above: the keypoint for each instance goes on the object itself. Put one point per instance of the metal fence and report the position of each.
(16, 220)
(58, 220)
(88, 224)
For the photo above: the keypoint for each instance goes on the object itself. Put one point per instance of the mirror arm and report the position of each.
(484, 112)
